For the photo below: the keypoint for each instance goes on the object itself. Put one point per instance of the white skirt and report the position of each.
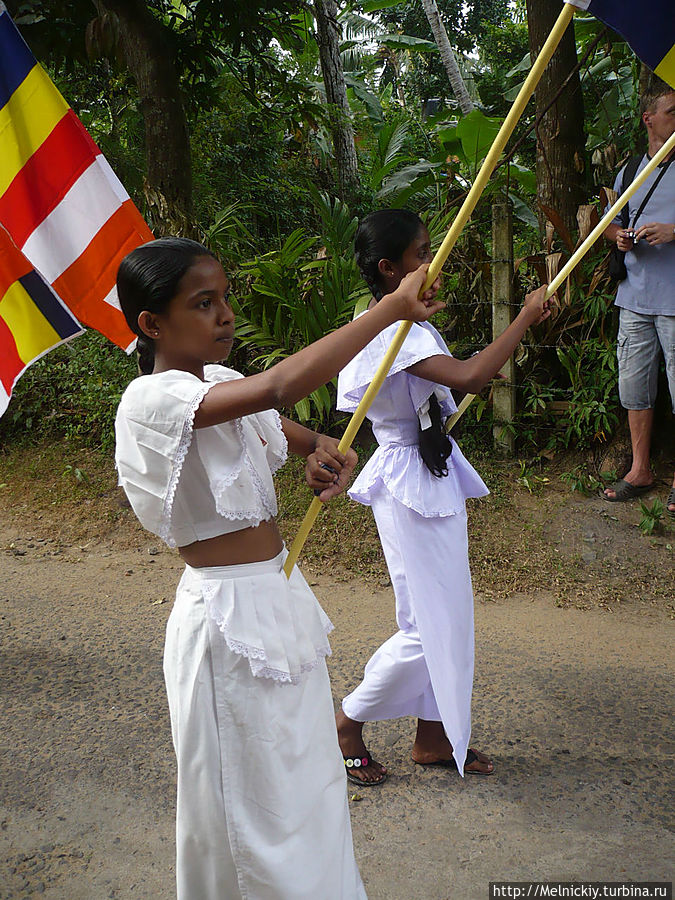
(262, 809)
(426, 668)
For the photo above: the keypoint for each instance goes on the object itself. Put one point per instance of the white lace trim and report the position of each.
(280, 456)
(181, 453)
(268, 505)
(284, 677)
(256, 656)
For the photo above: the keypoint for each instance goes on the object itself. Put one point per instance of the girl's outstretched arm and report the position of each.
(471, 375)
(298, 375)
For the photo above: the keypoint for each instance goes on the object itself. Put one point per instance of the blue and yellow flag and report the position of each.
(648, 28)
(60, 201)
(33, 320)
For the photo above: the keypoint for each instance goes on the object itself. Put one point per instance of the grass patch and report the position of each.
(520, 542)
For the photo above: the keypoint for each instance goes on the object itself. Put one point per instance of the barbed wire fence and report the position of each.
(520, 389)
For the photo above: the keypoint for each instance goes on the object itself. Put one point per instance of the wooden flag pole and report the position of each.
(442, 254)
(583, 249)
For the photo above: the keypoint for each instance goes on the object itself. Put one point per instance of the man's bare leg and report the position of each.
(640, 473)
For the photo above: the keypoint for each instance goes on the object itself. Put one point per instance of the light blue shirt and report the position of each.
(650, 286)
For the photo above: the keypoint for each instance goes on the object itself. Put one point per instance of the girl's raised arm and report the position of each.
(297, 376)
(471, 375)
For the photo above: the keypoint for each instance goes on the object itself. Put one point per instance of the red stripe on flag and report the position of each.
(92, 276)
(13, 264)
(46, 177)
(11, 364)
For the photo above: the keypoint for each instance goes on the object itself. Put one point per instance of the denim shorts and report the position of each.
(640, 341)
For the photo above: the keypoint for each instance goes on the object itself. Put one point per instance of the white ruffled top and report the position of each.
(187, 484)
(395, 413)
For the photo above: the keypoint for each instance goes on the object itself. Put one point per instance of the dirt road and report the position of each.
(574, 706)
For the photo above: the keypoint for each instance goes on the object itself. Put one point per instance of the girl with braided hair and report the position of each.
(417, 482)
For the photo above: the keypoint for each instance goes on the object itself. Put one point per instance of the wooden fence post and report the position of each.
(504, 393)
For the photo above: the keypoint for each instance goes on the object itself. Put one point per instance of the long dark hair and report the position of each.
(148, 279)
(386, 234)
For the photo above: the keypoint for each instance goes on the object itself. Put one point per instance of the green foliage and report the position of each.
(580, 479)
(297, 294)
(71, 393)
(264, 177)
(592, 370)
(529, 479)
(652, 516)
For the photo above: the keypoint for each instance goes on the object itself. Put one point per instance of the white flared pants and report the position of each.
(262, 808)
(426, 669)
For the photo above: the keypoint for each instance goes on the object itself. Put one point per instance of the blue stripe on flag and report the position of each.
(648, 27)
(16, 60)
(61, 320)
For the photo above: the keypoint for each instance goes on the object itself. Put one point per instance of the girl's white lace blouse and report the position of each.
(395, 414)
(187, 484)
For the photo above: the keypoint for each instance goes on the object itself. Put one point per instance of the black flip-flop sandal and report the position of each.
(471, 756)
(671, 499)
(624, 490)
(361, 762)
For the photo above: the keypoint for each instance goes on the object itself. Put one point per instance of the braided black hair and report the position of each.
(148, 279)
(386, 234)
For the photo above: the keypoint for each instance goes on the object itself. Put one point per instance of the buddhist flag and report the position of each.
(32, 318)
(60, 201)
(648, 28)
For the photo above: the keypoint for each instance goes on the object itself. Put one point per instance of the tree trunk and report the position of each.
(447, 56)
(145, 47)
(560, 137)
(325, 12)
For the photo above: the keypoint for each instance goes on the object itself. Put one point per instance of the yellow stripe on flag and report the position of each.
(32, 332)
(666, 68)
(26, 120)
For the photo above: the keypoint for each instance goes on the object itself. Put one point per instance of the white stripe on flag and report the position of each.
(580, 4)
(70, 227)
(113, 299)
(113, 180)
(4, 396)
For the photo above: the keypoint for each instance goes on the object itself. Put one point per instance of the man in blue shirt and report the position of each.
(646, 298)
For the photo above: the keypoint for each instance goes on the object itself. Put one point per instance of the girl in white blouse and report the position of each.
(261, 810)
(417, 482)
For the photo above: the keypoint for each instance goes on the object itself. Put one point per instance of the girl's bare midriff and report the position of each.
(236, 548)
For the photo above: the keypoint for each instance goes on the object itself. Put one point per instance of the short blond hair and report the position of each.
(656, 88)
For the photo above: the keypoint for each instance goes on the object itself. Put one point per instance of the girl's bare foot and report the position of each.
(352, 746)
(432, 748)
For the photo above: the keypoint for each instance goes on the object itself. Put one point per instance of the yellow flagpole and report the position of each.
(442, 254)
(583, 249)
(611, 213)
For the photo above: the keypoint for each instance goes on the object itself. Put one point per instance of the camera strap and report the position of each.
(650, 191)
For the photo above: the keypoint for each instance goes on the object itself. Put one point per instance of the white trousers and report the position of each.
(426, 669)
(262, 808)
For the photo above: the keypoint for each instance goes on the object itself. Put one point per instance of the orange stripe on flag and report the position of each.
(92, 276)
